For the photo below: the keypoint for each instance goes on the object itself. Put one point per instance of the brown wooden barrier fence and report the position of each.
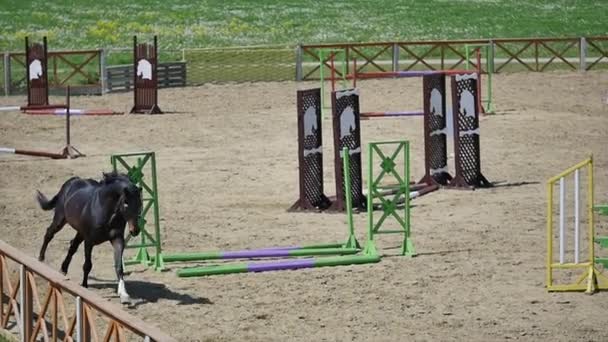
(528, 54)
(86, 71)
(35, 301)
(80, 70)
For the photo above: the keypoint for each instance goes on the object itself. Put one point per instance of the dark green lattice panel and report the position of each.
(141, 169)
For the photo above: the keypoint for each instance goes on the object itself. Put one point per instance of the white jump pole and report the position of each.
(576, 215)
(7, 150)
(10, 109)
(562, 189)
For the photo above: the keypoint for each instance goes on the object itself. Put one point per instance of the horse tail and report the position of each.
(44, 202)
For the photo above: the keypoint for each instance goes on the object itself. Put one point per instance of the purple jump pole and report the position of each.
(278, 265)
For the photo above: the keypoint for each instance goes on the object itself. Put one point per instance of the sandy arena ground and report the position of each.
(228, 170)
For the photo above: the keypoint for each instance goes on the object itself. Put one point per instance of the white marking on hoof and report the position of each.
(125, 300)
(122, 292)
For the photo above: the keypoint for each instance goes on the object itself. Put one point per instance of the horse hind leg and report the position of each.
(76, 241)
(57, 224)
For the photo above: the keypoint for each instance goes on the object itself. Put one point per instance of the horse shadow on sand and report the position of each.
(144, 292)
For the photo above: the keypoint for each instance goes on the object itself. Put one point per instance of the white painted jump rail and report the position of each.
(19, 296)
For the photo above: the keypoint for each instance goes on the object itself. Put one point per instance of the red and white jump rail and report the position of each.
(68, 151)
(403, 74)
(33, 153)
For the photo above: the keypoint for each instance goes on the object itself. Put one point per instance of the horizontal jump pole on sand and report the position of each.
(63, 111)
(405, 74)
(33, 153)
(68, 151)
(273, 252)
(416, 190)
(278, 265)
(10, 108)
(369, 115)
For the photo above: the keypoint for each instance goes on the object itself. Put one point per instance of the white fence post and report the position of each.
(299, 62)
(7, 74)
(583, 54)
(79, 320)
(103, 71)
(395, 57)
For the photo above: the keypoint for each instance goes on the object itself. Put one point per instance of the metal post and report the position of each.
(583, 54)
(332, 56)
(7, 74)
(135, 61)
(103, 72)
(67, 117)
(24, 337)
(576, 216)
(299, 62)
(158, 262)
(155, 72)
(395, 57)
(562, 220)
(79, 323)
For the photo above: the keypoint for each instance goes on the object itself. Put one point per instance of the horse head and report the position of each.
(129, 204)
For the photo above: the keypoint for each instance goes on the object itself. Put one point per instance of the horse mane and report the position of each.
(111, 177)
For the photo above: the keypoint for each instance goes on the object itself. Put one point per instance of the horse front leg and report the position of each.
(88, 264)
(119, 245)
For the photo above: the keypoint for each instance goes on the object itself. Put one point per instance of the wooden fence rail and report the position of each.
(80, 69)
(50, 317)
(86, 71)
(530, 54)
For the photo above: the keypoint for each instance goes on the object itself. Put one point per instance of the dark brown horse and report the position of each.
(99, 212)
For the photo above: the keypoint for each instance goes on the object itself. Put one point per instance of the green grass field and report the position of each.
(216, 23)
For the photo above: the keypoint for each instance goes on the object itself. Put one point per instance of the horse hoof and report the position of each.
(125, 300)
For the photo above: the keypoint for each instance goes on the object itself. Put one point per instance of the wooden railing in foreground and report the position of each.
(52, 319)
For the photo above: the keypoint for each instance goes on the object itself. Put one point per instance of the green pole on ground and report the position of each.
(140, 167)
(369, 257)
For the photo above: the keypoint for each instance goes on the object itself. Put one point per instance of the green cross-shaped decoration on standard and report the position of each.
(400, 192)
(134, 164)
